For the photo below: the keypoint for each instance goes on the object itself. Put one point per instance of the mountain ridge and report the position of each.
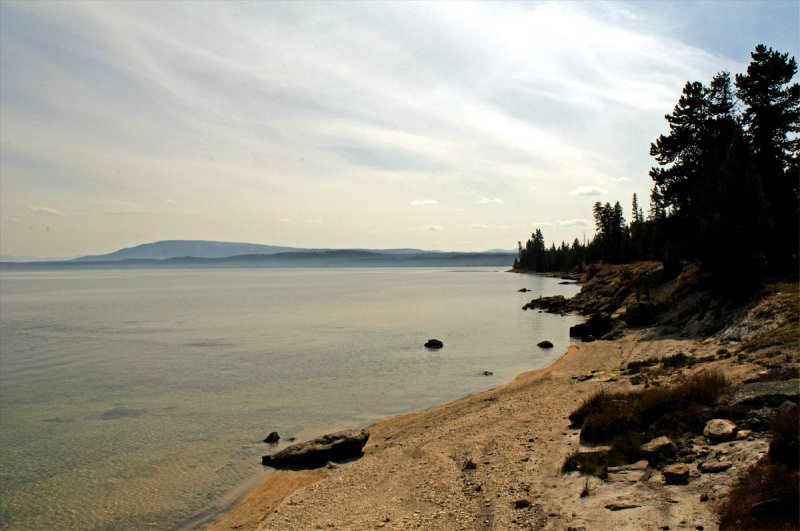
(210, 254)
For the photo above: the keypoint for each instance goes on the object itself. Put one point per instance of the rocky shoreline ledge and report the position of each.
(506, 458)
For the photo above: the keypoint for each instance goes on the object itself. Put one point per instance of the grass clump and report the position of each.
(626, 420)
(636, 367)
(667, 410)
(768, 495)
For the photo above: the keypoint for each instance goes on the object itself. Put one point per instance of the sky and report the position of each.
(459, 126)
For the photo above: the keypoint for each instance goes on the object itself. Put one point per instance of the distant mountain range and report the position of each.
(209, 254)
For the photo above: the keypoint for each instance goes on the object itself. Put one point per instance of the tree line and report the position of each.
(725, 188)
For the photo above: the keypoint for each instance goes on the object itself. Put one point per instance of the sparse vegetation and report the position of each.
(468, 464)
(768, 495)
(626, 420)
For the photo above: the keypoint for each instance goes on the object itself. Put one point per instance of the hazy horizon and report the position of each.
(450, 126)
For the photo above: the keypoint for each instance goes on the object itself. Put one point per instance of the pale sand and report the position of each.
(412, 474)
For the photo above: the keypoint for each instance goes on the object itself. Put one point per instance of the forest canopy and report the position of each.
(725, 185)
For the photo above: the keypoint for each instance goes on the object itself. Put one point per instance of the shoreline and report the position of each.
(517, 434)
(493, 460)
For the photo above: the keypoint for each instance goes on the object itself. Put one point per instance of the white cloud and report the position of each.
(578, 222)
(433, 228)
(314, 221)
(45, 211)
(284, 220)
(490, 201)
(424, 202)
(588, 190)
(478, 226)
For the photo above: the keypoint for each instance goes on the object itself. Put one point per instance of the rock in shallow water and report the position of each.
(272, 437)
(316, 453)
(544, 344)
(434, 343)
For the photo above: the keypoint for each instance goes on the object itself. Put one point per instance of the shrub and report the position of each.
(767, 495)
(627, 420)
(784, 444)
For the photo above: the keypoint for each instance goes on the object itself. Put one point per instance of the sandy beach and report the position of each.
(493, 460)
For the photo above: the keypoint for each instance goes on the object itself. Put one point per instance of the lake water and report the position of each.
(139, 399)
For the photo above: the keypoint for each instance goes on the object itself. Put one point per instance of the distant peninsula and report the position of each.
(179, 254)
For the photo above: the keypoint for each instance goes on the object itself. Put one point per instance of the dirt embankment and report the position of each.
(494, 460)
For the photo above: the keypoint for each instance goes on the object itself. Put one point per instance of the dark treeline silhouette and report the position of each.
(725, 188)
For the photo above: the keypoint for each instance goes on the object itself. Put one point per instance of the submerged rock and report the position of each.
(317, 453)
(434, 343)
(549, 304)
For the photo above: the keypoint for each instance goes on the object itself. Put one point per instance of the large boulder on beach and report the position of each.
(675, 474)
(434, 343)
(720, 430)
(316, 453)
(659, 449)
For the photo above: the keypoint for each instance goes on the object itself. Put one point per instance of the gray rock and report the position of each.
(659, 449)
(549, 304)
(637, 466)
(316, 453)
(678, 473)
(434, 343)
(719, 430)
(710, 467)
(621, 506)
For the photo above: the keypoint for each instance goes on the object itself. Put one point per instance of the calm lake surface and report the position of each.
(139, 399)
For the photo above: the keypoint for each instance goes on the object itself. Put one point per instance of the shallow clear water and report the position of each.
(136, 399)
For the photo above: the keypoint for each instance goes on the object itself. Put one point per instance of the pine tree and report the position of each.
(771, 117)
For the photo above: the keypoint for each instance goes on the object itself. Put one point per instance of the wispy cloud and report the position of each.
(478, 226)
(433, 228)
(45, 211)
(333, 112)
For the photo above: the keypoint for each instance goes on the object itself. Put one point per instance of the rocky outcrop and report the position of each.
(595, 327)
(316, 453)
(555, 303)
(754, 405)
(434, 343)
(272, 437)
